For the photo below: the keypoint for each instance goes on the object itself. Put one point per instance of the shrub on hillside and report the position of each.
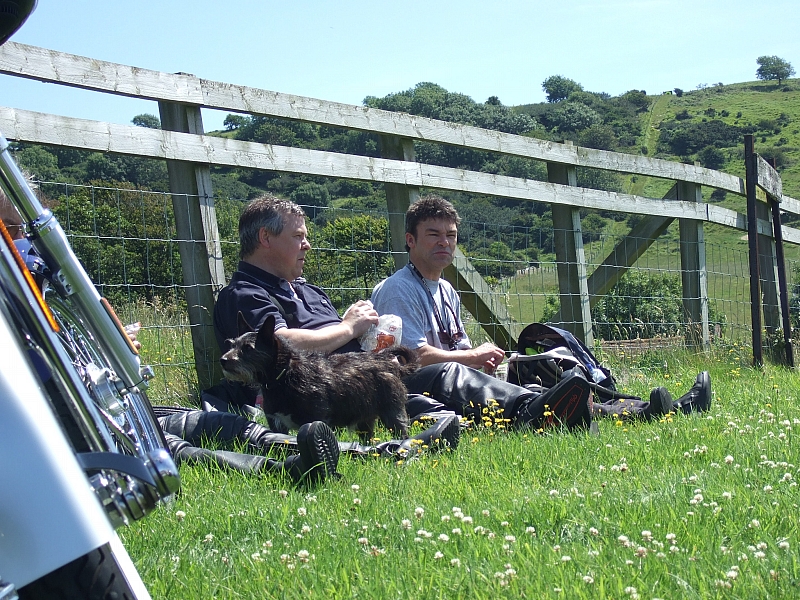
(683, 139)
(641, 305)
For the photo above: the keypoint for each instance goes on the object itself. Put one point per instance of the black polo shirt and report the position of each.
(253, 292)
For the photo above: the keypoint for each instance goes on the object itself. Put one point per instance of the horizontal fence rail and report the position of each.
(28, 126)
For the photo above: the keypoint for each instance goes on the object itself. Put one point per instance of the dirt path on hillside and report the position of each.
(654, 117)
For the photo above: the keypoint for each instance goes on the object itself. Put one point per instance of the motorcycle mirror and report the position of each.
(13, 13)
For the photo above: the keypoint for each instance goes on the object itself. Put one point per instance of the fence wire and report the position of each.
(127, 241)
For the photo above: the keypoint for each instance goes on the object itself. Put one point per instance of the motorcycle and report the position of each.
(81, 452)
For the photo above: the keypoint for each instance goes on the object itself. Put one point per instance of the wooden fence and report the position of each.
(189, 154)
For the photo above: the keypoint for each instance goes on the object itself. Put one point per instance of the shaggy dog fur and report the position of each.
(343, 390)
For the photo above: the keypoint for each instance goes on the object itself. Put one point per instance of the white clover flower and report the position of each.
(588, 579)
(283, 493)
(454, 562)
(180, 515)
(305, 529)
(755, 524)
(510, 538)
(419, 512)
(641, 551)
(759, 555)
(594, 531)
(671, 537)
(787, 477)
(438, 555)
(303, 554)
(406, 524)
(443, 537)
(566, 558)
(302, 511)
(554, 493)
(504, 524)
(357, 501)
(530, 530)
(445, 518)
(647, 535)
(729, 460)
(466, 520)
(363, 541)
(485, 513)
(783, 545)
(732, 574)
(727, 495)
(456, 509)
(768, 488)
(355, 487)
(456, 531)
(623, 539)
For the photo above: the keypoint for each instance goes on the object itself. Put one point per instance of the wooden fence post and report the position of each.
(398, 197)
(575, 314)
(751, 177)
(694, 277)
(198, 242)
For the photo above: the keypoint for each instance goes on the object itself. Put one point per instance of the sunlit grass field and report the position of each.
(704, 506)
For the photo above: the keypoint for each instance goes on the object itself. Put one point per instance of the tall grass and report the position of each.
(700, 506)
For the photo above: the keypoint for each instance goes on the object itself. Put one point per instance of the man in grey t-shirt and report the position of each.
(431, 308)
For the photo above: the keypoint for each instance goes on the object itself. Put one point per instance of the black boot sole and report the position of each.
(319, 451)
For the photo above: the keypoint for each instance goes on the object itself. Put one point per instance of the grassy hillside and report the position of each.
(769, 111)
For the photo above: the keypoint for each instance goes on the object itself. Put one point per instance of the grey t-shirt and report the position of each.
(403, 295)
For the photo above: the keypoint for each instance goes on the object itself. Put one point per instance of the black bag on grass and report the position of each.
(545, 353)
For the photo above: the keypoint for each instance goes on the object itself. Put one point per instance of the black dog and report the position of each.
(343, 390)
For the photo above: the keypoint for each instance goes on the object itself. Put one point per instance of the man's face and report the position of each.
(431, 250)
(287, 251)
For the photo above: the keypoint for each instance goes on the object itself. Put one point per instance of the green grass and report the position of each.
(512, 514)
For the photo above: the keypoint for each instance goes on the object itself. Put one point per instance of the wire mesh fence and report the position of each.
(127, 241)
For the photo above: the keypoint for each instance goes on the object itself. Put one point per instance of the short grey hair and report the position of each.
(268, 212)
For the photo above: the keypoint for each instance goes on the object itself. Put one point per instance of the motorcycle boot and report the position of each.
(443, 434)
(660, 402)
(568, 403)
(317, 459)
(698, 398)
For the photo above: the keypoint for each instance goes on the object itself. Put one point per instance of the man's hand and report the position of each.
(360, 317)
(488, 356)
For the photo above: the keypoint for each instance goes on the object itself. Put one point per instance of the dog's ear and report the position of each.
(242, 325)
(266, 332)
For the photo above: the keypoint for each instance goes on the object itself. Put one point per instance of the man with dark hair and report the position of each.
(431, 312)
(268, 281)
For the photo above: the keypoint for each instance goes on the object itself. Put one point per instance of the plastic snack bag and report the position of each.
(387, 333)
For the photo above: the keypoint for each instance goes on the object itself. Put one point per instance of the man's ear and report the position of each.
(242, 325)
(263, 237)
(410, 241)
(266, 333)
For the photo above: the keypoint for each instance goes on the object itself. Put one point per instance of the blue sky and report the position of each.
(346, 50)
